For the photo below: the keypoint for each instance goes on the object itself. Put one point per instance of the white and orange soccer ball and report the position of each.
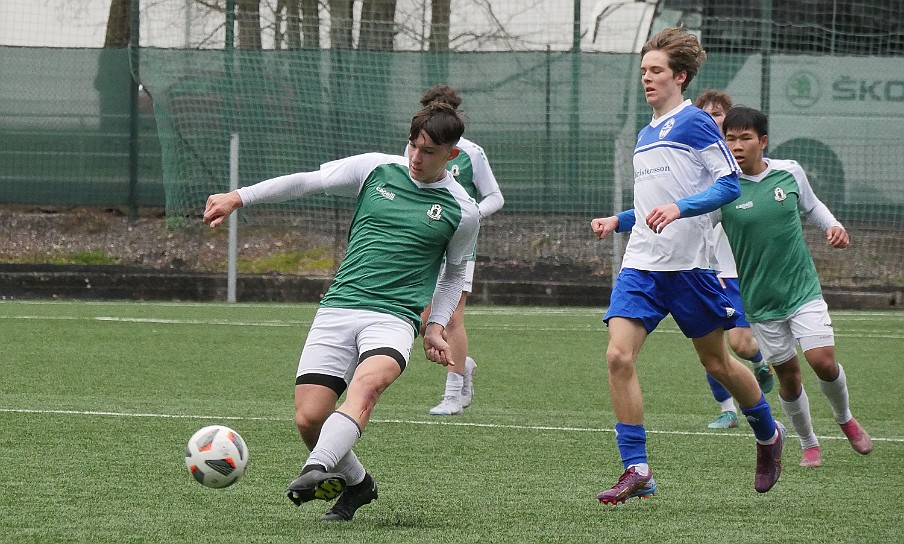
(216, 456)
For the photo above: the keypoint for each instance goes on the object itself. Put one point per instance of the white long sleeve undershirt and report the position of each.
(282, 188)
(447, 293)
(491, 203)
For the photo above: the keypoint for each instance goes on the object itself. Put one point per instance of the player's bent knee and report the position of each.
(619, 361)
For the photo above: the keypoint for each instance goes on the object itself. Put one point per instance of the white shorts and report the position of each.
(810, 326)
(469, 277)
(341, 338)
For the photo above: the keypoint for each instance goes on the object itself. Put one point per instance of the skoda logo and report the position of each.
(803, 90)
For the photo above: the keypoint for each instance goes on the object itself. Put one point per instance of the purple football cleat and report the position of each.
(769, 461)
(631, 484)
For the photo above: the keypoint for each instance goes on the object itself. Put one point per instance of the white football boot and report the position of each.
(449, 406)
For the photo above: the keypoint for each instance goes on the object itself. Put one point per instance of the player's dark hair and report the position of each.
(441, 121)
(442, 93)
(712, 96)
(684, 51)
(743, 118)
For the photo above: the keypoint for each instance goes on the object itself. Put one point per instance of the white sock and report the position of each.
(338, 435)
(454, 382)
(772, 440)
(727, 405)
(350, 467)
(837, 393)
(798, 412)
(641, 468)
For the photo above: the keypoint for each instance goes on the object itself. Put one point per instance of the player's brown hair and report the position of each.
(442, 93)
(684, 51)
(713, 96)
(441, 121)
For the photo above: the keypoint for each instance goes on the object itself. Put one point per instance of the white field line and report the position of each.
(447, 423)
(577, 311)
(591, 326)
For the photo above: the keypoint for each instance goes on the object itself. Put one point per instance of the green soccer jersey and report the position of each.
(400, 231)
(776, 272)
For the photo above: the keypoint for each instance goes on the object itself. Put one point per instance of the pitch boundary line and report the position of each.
(590, 327)
(407, 422)
(472, 310)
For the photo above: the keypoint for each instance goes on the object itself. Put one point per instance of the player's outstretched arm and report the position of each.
(219, 206)
(838, 237)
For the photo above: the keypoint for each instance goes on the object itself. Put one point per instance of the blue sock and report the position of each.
(760, 419)
(632, 443)
(719, 392)
(756, 358)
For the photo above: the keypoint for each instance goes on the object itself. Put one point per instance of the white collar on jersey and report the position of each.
(658, 120)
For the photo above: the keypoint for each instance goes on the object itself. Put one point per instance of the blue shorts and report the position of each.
(695, 299)
(733, 290)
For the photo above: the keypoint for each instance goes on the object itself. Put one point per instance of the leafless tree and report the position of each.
(248, 16)
(310, 24)
(292, 35)
(378, 25)
(118, 24)
(341, 14)
(440, 14)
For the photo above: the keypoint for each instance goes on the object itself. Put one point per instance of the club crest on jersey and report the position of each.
(780, 195)
(455, 170)
(666, 128)
(435, 212)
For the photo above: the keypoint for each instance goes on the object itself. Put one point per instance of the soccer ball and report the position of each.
(216, 456)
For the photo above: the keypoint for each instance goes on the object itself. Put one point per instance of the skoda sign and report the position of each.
(803, 89)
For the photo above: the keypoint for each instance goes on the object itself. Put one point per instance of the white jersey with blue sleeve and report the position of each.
(724, 257)
(678, 155)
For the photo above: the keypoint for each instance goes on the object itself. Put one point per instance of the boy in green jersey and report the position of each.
(410, 216)
(717, 103)
(778, 279)
(472, 170)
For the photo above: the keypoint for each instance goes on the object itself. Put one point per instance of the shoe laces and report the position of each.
(626, 475)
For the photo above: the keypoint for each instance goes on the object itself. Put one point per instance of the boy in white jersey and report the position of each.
(682, 170)
(740, 338)
(783, 298)
(472, 170)
(409, 216)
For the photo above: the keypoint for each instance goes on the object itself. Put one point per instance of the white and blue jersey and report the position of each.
(678, 156)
